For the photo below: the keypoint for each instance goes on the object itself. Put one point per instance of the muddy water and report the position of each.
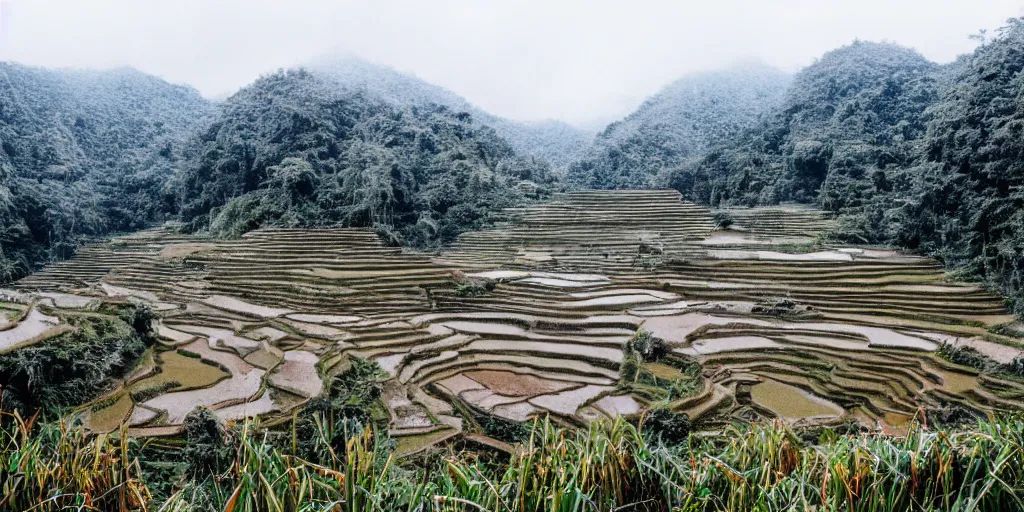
(515, 384)
(265, 404)
(239, 306)
(613, 300)
(486, 328)
(111, 417)
(298, 374)
(675, 329)
(956, 382)
(324, 319)
(734, 343)
(568, 401)
(35, 324)
(792, 403)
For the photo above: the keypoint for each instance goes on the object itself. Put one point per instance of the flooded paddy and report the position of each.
(33, 328)
(792, 403)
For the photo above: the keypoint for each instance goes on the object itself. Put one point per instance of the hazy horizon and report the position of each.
(585, 63)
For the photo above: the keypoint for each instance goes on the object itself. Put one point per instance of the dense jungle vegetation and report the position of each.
(552, 141)
(83, 154)
(676, 125)
(294, 150)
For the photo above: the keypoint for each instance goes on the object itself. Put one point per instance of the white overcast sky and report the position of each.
(581, 61)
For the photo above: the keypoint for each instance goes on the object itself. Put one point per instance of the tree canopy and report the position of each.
(295, 150)
(678, 124)
(84, 153)
(554, 142)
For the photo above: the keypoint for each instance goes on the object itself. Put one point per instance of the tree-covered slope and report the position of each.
(84, 153)
(555, 142)
(856, 110)
(294, 149)
(905, 151)
(679, 123)
(966, 201)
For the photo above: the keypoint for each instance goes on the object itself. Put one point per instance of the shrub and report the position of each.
(72, 368)
(647, 347)
(470, 290)
(347, 404)
(666, 425)
(188, 353)
(207, 450)
(722, 219)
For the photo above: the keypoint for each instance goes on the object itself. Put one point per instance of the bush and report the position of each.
(722, 219)
(188, 353)
(207, 448)
(72, 368)
(647, 347)
(470, 290)
(346, 405)
(666, 425)
(966, 356)
(141, 318)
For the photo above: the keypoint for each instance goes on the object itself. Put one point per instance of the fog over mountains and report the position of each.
(556, 142)
(871, 131)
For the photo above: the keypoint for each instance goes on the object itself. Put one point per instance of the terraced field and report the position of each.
(531, 317)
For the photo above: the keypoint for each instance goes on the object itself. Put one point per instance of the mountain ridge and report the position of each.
(557, 142)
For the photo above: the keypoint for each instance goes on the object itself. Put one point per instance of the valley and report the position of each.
(532, 318)
(336, 286)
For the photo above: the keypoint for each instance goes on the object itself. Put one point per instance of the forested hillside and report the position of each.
(84, 153)
(294, 149)
(856, 108)
(907, 153)
(555, 142)
(679, 123)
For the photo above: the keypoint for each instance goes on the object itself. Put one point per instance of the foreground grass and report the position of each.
(610, 466)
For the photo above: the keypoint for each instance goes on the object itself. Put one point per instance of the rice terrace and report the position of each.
(532, 318)
(663, 257)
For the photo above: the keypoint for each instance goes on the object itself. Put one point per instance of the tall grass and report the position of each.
(768, 468)
(59, 467)
(266, 479)
(607, 466)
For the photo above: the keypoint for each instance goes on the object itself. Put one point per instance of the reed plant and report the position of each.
(58, 466)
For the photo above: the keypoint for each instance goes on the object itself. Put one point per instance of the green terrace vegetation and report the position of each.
(547, 314)
(649, 370)
(74, 366)
(734, 378)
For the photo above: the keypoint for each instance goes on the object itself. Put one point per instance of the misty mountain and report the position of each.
(678, 123)
(84, 153)
(906, 152)
(555, 142)
(857, 108)
(293, 149)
